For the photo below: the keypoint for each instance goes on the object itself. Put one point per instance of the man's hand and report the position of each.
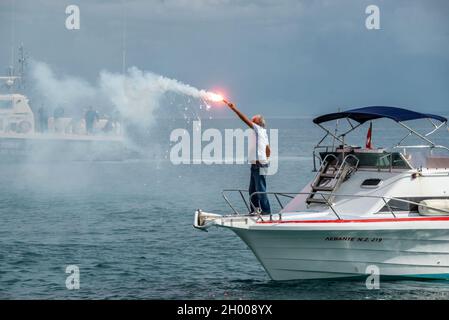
(239, 114)
(268, 151)
(230, 104)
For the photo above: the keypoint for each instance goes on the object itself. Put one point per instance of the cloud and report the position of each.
(273, 57)
(202, 10)
(420, 27)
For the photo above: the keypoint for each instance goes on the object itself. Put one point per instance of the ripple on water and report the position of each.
(128, 226)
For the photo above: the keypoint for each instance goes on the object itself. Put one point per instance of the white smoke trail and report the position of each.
(136, 94)
(139, 93)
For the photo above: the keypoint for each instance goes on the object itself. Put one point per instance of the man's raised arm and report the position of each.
(239, 114)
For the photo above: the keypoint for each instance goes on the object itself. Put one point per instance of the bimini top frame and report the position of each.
(399, 115)
(365, 114)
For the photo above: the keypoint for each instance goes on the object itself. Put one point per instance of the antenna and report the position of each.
(22, 65)
(13, 36)
(123, 38)
(336, 130)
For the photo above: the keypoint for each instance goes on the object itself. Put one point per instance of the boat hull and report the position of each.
(321, 254)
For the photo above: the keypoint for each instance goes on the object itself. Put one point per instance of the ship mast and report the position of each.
(10, 78)
(22, 66)
(14, 78)
(124, 38)
(13, 36)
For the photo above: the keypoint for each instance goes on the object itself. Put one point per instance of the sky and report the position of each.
(281, 58)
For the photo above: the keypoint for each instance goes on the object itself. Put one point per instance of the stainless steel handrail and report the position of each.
(240, 191)
(331, 206)
(323, 165)
(330, 155)
(344, 162)
(315, 155)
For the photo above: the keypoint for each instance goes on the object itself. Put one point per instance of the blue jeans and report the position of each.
(258, 184)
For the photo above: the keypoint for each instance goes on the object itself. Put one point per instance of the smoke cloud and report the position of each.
(136, 94)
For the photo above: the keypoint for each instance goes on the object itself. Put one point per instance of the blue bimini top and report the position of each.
(362, 115)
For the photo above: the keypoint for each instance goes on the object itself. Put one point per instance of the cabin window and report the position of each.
(5, 104)
(397, 205)
(371, 183)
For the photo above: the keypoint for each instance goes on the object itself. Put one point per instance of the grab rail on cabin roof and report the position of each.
(345, 160)
(317, 156)
(292, 195)
(324, 163)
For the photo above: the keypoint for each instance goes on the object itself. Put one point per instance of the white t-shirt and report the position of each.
(258, 141)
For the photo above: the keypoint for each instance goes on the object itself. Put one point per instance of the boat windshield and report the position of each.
(378, 160)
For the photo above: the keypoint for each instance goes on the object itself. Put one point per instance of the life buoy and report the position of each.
(24, 127)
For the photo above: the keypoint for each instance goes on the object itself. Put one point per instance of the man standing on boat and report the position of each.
(259, 153)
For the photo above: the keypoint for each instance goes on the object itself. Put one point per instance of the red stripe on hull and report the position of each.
(360, 220)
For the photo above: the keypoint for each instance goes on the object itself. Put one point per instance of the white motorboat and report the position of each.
(366, 208)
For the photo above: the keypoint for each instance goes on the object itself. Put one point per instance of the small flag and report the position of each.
(369, 144)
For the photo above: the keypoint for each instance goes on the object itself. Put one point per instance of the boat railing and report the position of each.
(316, 155)
(324, 164)
(251, 209)
(346, 162)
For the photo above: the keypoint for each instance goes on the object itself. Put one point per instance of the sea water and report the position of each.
(127, 225)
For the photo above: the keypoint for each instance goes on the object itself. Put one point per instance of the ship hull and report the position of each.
(315, 254)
